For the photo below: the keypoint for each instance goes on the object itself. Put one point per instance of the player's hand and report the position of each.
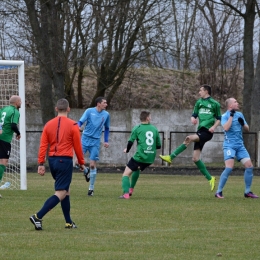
(41, 169)
(82, 167)
(125, 150)
(18, 137)
(241, 121)
(232, 112)
(1, 131)
(194, 120)
(106, 145)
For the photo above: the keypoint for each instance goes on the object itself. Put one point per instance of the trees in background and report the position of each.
(113, 36)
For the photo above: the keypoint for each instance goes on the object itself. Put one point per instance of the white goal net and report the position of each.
(12, 83)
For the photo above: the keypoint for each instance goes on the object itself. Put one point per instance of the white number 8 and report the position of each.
(149, 138)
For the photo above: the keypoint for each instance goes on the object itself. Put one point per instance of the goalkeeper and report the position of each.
(234, 123)
(9, 120)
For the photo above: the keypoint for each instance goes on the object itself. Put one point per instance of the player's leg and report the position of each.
(135, 175)
(244, 157)
(5, 152)
(134, 178)
(203, 136)
(180, 149)
(94, 157)
(126, 183)
(229, 155)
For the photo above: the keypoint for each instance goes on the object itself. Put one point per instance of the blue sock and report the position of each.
(65, 205)
(248, 177)
(223, 179)
(49, 204)
(93, 174)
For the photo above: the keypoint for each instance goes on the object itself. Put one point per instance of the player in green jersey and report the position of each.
(207, 110)
(148, 140)
(9, 118)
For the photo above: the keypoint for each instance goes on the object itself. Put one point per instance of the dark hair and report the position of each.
(62, 105)
(144, 115)
(207, 87)
(99, 100)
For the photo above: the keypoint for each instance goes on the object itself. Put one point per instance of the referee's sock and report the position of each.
(65, 205)
(49, 204)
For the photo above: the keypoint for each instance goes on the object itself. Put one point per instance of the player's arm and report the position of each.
(106, 132)
(83, 118)
(42, 153)
(14, 127)
(227, 121)
(128, 147)
(243, 123)
(78, 147)
(218, 118)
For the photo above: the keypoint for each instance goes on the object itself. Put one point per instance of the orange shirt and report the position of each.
(61, 135)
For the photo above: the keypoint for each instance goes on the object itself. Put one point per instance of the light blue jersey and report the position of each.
(234, 136)
(96, 122)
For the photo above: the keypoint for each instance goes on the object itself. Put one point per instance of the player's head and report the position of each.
(145, 116)
(15, 101)
(231, 103)
(62, 105)
(101, 103)
(206, 88)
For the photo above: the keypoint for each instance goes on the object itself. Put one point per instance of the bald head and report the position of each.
(15, 101)
(231, 103)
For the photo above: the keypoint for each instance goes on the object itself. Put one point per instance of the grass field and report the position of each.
(168, 217)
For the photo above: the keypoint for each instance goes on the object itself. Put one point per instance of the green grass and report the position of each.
(168, 217)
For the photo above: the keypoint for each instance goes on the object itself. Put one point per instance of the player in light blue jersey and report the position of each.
(97, 119)
(234, 123)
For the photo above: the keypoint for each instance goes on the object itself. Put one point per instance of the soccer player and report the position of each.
(9, 119)
(96, 119)
(148, 140)
(234, 123)
(60, 137)
(207, 110)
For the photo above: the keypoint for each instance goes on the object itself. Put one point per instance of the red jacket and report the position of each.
(61, 135)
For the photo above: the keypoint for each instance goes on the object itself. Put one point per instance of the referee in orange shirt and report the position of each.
(61, 137)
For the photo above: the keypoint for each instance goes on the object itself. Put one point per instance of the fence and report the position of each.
(113, 156)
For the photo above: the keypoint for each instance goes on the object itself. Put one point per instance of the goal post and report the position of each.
(12, 82)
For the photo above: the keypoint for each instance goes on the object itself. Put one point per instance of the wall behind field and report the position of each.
(122, 122)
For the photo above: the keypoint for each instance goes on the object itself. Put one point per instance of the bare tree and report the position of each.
(116, 31)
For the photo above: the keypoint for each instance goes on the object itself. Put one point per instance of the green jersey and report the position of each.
(8, 115)
(207, 110)
(148, 139)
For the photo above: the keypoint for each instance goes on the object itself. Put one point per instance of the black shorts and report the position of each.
(134, 165)
(5, 150)
(204, 135)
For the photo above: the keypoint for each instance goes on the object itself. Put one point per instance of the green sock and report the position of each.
(2, 170)
(134, 178)
(203, 169)
(125, 184)
(178, 150)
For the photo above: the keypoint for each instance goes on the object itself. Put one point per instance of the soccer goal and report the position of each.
(12, 83)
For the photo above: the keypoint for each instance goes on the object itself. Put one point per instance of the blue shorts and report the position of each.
(93, 151)
(238, 151)
(61, 168)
